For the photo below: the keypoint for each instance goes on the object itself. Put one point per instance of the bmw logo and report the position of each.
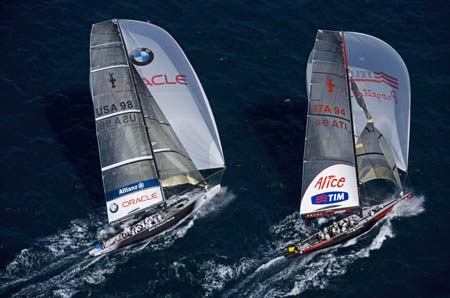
(141, 56)
(113, 208)
(141, 185)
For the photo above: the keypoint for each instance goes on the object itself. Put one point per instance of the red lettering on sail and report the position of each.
(165, 79)
(329, 181)
(139, 199)
(324, 108)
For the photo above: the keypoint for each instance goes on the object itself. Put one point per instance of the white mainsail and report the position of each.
(173, 83)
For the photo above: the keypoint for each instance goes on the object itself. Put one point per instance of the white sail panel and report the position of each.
(383, 79)
(171, 80)
(334, 188)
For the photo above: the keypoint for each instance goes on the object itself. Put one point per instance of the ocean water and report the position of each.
(250, 57)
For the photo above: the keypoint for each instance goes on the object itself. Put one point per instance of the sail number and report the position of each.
(112, 108)
(324, 108)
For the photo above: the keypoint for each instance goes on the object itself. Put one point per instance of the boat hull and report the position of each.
(173, 216)
(366, 223)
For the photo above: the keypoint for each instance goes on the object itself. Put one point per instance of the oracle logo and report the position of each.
(138, 200)
(329, 181)
(164, 79)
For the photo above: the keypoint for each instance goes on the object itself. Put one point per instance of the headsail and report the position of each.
(174, 165)
(383, 79)
(329, 182)
(171, 80)
(374, 156)
(129, 175)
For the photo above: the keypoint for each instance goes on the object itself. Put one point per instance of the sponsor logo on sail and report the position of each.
(113, 208)
(325, 182)
(165, 79)
(139, 199)
(142, 56)
(329, 197)
(375, 77)
(129, 188)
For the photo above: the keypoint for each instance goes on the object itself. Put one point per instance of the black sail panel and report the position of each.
(329, 182)
(129, 177)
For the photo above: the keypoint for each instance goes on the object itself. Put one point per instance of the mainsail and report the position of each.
(329, 182)
(142, 154)
(380, 105)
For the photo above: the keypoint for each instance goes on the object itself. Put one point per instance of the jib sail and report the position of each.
(172, 82)
(129, 174)
(383, 80)
(329, 182)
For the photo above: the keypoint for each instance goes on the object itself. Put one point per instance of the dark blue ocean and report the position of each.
(250, 57)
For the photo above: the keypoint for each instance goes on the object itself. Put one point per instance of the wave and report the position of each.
(59, 265)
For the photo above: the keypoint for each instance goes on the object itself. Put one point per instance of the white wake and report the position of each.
(59, 265)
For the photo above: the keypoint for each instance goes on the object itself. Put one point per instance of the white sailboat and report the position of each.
(357, 131)
(160, 151)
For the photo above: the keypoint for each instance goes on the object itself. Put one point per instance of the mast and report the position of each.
(140, 104)
(351, 119)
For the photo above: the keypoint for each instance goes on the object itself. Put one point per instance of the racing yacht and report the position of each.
(160, 152)
(357, 131)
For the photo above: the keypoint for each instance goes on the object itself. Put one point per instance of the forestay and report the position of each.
(329, 182)
(171, 80)
(128, 170)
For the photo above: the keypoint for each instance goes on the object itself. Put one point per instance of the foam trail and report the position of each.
(59, 265)
(277, 278)
(216, 204)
